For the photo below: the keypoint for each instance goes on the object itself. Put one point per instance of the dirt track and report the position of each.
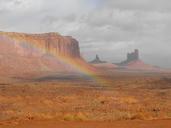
(116, 124)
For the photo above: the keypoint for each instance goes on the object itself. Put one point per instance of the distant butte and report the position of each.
(133, 56)
(134, 62)
(97, 60)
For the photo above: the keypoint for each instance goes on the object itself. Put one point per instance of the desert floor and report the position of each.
(114, 99)
(114, 124)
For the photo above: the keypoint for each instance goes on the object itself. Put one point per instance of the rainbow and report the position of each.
(82, 68)
(78, 64)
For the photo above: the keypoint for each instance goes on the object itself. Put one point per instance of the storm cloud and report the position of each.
(110, 28)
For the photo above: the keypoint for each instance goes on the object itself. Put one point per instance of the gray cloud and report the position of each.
(106, 27)
(144, 5)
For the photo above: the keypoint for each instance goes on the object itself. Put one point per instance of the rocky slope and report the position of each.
(106, 66)
(140, 65)
(97, 60)
(133, 62)
(27, 53)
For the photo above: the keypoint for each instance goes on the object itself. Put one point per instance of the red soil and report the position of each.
(116, 124)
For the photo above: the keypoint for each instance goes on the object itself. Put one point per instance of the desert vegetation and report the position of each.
(128, 96)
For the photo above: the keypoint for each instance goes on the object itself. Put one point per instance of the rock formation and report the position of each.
(134, 62)
(48, 43)
(133, 56)
(97, 60)
(25, 53)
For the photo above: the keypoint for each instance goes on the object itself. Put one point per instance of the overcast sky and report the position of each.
(110, 28)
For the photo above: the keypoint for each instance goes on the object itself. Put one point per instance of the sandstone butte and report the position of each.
(34, 53)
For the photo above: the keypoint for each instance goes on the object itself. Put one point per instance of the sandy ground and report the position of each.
(116, 124)
(67, 100)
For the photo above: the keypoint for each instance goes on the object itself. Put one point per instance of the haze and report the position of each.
(110, 28)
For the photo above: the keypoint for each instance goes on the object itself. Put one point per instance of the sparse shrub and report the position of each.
(68, 117)
(102, 102)
(29, 117)
(75, 117)
(123, 115)
(141, 116)
(169, 114)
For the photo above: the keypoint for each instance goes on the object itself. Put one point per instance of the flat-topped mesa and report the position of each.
(22, 53)
(52, 43)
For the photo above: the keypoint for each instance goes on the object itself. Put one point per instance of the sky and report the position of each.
(109, 28)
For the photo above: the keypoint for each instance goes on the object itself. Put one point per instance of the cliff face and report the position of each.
(48, 43)
(24, 53)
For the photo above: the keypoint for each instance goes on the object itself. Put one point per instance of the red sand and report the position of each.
(116, 124)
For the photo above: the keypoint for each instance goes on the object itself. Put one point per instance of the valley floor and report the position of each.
(115, 124)
(117, 99)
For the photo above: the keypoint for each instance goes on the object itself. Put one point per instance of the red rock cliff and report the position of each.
(25, 53)
(51, 43)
